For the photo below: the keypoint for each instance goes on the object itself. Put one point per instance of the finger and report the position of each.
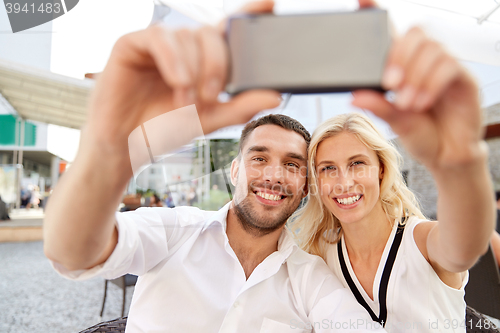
(443, 75)
(188, 42)
(254, 7)
(153, 48)
(214, 64)
(418, 73)
(367, 4)
(239, 110)
(401, 53)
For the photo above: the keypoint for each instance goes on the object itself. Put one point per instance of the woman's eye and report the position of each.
(358, 163)
(327, 168)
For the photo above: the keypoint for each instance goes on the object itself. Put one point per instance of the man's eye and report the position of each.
(293, 165)
(258, 159)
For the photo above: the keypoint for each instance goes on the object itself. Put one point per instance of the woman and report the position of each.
(409, 273)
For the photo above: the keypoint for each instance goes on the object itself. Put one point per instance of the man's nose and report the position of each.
(274, 173)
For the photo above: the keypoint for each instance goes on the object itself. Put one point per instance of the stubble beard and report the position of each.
(256, 225)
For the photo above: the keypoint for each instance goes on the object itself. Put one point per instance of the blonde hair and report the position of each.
(313, 224)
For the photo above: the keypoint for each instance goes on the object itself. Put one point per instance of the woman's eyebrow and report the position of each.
(350, 159)
(325, 162)
(358, 156)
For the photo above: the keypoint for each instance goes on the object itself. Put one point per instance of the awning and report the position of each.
(44, 96)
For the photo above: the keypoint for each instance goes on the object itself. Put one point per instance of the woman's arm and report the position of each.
(438, 117)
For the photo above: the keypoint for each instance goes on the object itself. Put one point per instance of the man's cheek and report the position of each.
(253, 171)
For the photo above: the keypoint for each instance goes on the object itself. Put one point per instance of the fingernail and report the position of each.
(392, 77)
(422, 101)
(212, 89)
(405, 97)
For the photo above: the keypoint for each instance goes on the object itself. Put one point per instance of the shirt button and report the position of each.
(236, 304)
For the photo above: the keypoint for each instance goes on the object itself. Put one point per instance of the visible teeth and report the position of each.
(269, 196)
(349, 200)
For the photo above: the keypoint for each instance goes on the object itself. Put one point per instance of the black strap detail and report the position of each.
(384, 281)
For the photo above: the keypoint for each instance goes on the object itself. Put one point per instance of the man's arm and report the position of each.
(79, 229)
(149, 73)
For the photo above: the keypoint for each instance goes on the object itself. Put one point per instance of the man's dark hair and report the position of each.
(280, 120)
(497, 194)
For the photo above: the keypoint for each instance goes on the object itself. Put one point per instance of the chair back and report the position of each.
(483, 290)
(112, 326)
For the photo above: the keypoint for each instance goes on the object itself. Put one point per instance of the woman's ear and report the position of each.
(381, 172)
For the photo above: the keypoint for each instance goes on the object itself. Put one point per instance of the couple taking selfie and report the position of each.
(359, 254)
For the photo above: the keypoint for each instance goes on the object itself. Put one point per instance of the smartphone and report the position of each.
(314, 53)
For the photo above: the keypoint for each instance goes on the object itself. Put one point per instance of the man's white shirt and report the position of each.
(190, 280)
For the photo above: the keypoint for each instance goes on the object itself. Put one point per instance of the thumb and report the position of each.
(240, 109)
(254, 7)
(402, 123)
(376, 103)
(367, 3)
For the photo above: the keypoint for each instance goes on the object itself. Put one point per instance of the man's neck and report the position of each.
(250, 249)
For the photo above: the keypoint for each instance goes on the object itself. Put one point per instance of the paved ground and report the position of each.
(35, 299)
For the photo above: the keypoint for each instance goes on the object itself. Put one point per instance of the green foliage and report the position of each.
(223, 151)
(217, 200)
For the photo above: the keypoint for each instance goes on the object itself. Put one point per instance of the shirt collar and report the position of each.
(286, 242)
(219, 217)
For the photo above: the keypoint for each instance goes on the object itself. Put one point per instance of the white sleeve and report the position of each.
(143, 241)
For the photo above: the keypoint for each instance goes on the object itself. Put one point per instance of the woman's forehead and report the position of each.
(341, 147)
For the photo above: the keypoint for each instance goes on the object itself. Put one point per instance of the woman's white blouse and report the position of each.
(417, 299)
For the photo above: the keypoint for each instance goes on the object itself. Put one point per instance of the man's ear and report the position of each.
(235, 167)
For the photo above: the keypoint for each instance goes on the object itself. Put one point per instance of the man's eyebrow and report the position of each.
(296, 156)
(258, 149)
(264, 149)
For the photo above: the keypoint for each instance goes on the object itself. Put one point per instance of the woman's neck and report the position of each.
(366, 239)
